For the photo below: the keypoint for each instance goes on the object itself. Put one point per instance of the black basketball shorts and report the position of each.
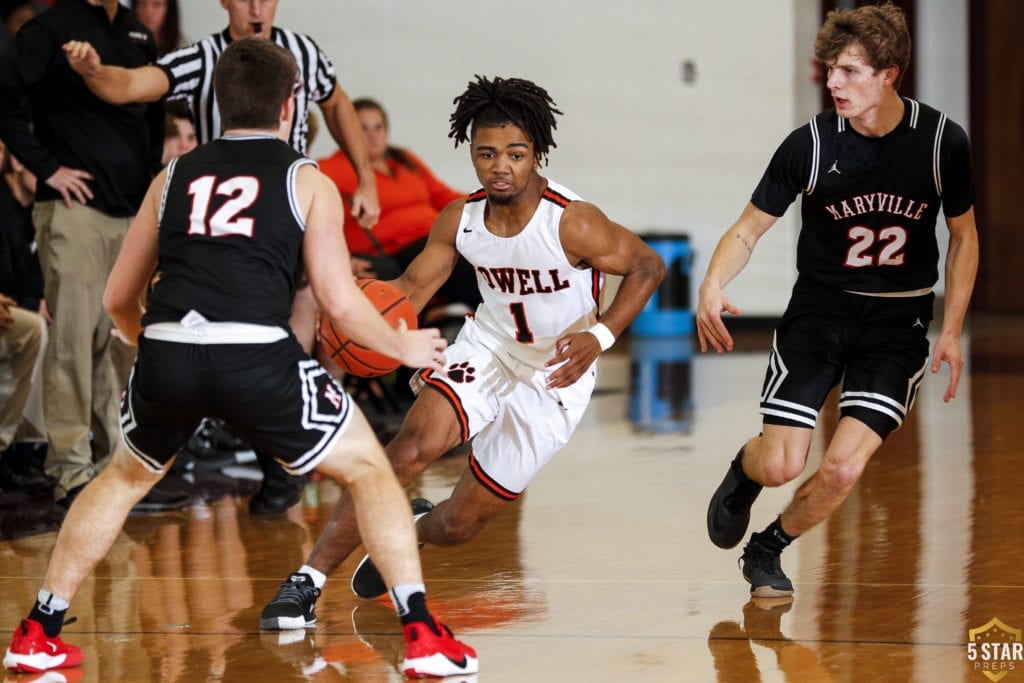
(876, 346)
(271, 394)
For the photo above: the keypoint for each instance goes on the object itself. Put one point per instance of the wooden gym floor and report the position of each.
(603, 571)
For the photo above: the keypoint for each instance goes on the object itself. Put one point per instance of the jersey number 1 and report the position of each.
(242, 190)
(523, 332)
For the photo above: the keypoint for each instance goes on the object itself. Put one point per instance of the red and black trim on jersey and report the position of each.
(460, 412)
(595, 275)
(488, 483)
(549, 194)
(556, 197)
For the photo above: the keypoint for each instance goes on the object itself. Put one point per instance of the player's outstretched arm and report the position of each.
(115, 84)
(330, 275)
(961, 269)
(590, 238)
(432, 266)
(135, 265)
(730, 257)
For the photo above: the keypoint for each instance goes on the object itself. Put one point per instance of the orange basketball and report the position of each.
(357, 359)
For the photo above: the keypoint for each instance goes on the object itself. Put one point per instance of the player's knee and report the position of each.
(779, 463)
(461, 528)
(777, 473)
(407, 457)
(840, 475)
(129, 474)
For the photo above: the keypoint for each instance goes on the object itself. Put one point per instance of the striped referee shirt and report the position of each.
(190, 72)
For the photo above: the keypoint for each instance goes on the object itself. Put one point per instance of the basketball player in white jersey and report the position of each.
(520, 374)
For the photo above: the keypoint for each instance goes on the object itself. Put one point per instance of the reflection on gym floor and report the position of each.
(603, 571)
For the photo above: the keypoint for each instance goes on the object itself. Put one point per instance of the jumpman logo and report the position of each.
(918, 323)
(835, 167)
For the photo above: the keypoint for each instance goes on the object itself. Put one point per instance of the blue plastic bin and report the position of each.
(668, 311)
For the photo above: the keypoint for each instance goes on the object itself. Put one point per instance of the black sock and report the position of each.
(417, 604)
(774, 537)
(51, 619)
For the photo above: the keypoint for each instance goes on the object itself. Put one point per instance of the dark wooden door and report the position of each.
(997, 135)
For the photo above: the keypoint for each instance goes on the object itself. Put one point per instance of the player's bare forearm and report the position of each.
(432, 266)
(731, 256)
(343, 124)
(734, 250)
(115, 84)
(576, 352)
(636, 288)
(961, 270)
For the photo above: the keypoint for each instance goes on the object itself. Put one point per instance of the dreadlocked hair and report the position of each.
(496, 102)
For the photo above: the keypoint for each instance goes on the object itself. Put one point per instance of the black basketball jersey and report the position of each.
(870, 204)
(230, 233)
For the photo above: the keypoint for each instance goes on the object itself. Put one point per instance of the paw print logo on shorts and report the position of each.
(463, 373)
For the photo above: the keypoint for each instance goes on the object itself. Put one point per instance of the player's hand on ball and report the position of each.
(424, 347)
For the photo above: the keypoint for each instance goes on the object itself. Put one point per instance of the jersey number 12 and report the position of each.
(226, 220)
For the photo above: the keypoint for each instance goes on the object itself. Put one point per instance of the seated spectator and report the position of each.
(163, 20)
(22, 335)
(14, 14)
(20, 274)
(22, 340)
(410, 197)
(180, 132)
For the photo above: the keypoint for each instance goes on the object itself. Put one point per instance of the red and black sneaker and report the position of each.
(431, 651)
(33, 651)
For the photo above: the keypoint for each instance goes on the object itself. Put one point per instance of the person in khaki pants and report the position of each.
(81, 378)
(93, 162)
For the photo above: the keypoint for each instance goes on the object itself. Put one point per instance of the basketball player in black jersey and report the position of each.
(873, 173)
(187, 74)
(232, 226)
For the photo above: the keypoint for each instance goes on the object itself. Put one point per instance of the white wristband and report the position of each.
(604, 336)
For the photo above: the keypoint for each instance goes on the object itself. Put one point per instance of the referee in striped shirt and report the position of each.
(187, 74)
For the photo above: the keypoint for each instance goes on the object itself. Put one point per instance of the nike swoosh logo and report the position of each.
(461, 663)
(467, 230)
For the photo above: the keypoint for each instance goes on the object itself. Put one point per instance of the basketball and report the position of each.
(357, 359)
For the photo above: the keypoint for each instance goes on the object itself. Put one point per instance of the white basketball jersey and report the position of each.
(532, 295)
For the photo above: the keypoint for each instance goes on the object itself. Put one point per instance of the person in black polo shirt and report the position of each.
(94, 162)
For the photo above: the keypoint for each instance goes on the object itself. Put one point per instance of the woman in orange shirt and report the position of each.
(410, 197)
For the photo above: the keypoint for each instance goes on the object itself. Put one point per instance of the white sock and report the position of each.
(400, 596)
(319, 578)
(48, 602)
